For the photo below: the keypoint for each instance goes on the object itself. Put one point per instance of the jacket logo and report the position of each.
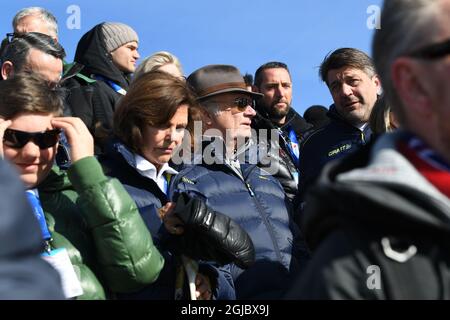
(340, 149)
(186, 180)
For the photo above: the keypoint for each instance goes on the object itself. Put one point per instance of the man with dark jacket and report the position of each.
(33, 52)
(274, 112)
(379, 220)
(354, 86)
(78, 100)
(241, 190)
(109, 54)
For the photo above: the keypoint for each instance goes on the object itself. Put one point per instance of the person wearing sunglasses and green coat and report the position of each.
(89, 218)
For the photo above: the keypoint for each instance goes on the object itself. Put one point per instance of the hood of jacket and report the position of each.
(91, 52)
(379, 186)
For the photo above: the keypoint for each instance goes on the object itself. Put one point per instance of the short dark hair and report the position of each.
(268, 65)
(18, 49)
(152, 99)
(248, 79)
(346, 57)
(27, 93)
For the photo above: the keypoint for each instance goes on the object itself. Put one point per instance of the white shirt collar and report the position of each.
(148, 169)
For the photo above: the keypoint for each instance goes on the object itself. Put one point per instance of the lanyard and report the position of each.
(39, 214)
(112, 84)
(292, 145)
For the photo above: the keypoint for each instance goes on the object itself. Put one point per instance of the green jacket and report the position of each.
(95, 219)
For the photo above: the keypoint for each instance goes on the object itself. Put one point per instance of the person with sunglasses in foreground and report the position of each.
(228, 182)
(92, 232)
(379, 220)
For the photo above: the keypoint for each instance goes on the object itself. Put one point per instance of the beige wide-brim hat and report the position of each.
(215, 79)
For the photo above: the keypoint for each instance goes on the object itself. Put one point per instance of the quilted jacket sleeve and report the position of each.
(125, 251)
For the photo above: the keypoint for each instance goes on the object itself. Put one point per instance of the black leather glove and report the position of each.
(210, 235)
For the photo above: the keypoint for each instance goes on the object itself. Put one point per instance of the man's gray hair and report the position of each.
(406, 26)
(211, 106)
(42, 13)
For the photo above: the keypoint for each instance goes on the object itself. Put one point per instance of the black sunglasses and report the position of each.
(433, 51)
(17, 139)
(242, 103)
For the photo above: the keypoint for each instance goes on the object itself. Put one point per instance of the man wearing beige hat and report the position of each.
(238, 189)
(109, 54)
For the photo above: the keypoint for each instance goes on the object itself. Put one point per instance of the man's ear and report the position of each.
(377, 82)
(206, 118)
(408, 82)
(7, 70)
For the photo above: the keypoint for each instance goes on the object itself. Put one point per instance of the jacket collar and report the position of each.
(334, 115)
(148, 169)
(293, 120)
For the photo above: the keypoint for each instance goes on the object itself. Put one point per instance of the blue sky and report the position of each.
(245, 33)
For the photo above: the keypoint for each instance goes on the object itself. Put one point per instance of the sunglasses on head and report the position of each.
(17, 139)
(433, 51)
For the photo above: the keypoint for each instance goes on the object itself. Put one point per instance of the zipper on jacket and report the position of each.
(250, 189)
(263, 217)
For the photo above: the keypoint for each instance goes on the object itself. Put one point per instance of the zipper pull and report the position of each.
(250, 190)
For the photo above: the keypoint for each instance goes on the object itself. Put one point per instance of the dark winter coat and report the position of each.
(378, 230)
(118, 161)
(257, 202)
(287, 165)
(97, 61)
(333, 141)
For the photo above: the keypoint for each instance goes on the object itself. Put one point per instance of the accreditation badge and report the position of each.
(60, 261)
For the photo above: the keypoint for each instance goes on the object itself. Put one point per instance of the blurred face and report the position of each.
(46, 65)
(160, 142)
(276, 86)
(354, 93)
(32, 162)
(125, 57)
(34, 24)
(232, 118)
(435, 75)
(171, 69)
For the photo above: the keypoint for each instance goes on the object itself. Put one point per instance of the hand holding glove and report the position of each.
(211, 235)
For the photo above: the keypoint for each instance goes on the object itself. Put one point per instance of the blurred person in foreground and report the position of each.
(379, 220)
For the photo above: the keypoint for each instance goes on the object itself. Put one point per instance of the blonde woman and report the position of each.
(160, 61)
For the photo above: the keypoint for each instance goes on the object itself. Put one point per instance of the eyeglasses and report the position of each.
(433, 51)
(241, 103)
(10, 36)
(5, 42)
(17, 139)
